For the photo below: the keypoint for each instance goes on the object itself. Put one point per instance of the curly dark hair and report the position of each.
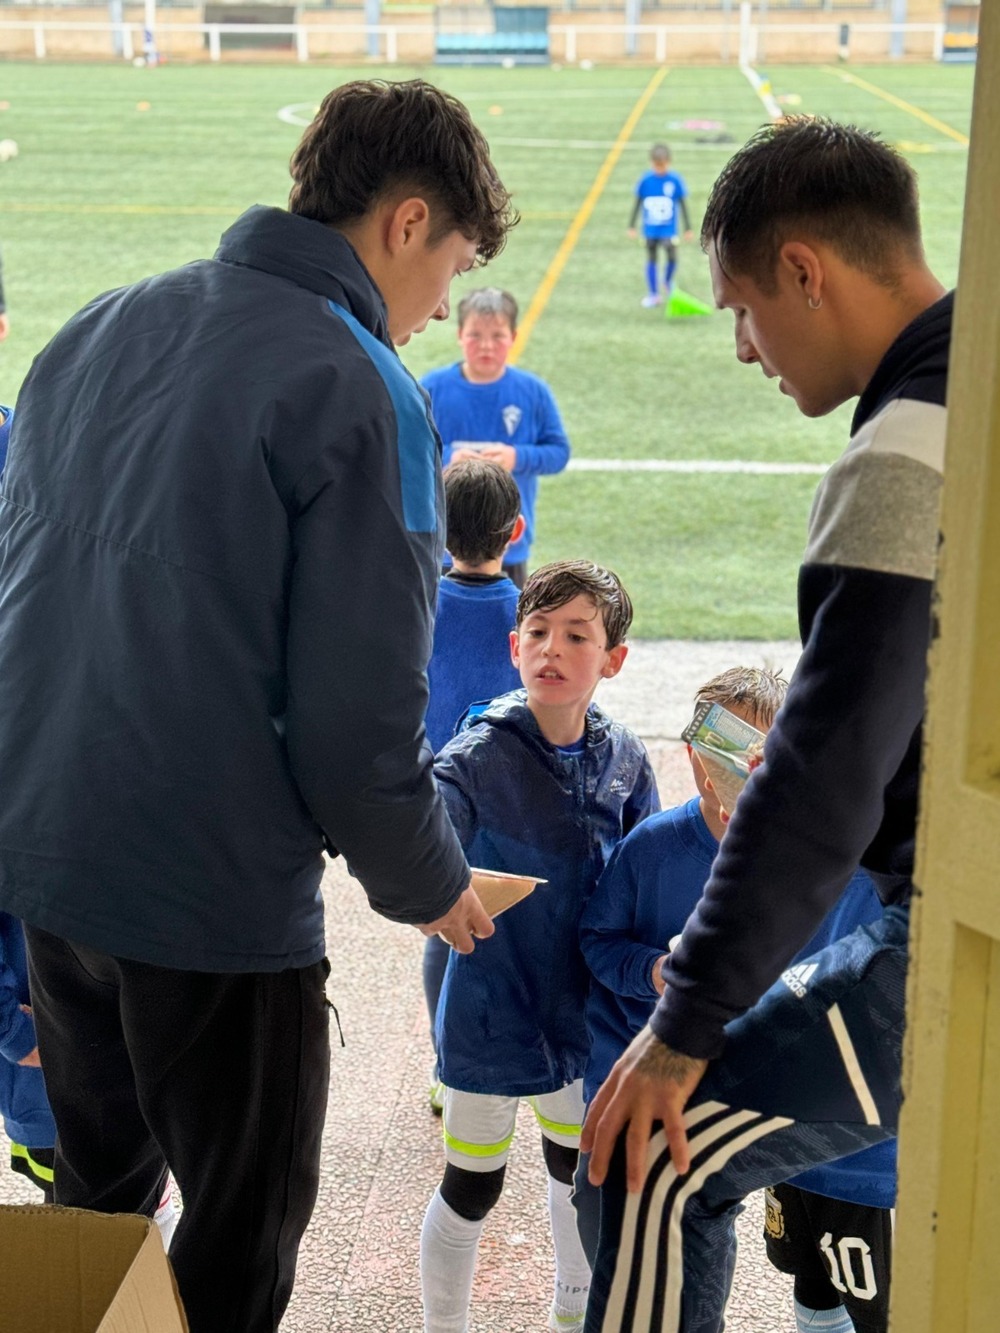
(371, 139)
(554, 585)
(841, 183)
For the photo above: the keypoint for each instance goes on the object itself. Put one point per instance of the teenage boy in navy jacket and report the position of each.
(203, 688)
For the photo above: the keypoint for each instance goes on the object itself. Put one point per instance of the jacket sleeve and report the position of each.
(361, 602)
(455, 783)
(845, 742)
(644, 798)
(811, 810)
(549, 451)
(607, 932)
(17, 1029)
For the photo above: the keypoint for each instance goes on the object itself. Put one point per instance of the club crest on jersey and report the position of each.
(512, 418)
(774, 1218)
(798, 978)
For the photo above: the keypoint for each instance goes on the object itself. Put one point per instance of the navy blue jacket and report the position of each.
(841, 774)
(651, 884)
(649, 889)
(221, 527)
(511, 1016)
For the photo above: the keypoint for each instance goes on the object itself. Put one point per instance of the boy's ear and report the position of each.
(615, 662)
(515, 648)
(409, 221)
(518, 531)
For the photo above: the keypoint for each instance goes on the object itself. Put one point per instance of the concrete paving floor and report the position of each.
(358, 1268)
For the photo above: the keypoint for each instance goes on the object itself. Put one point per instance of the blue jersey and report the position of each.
(660, 196)
(516, 409)
(471, 657)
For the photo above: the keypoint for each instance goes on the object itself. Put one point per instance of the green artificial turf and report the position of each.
(103, 192)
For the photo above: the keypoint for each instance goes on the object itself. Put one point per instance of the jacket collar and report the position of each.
(310, 254)
(510, 711)
(916, 361)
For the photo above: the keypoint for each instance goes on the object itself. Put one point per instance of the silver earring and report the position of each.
(814, 305)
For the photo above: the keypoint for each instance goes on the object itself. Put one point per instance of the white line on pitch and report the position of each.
(696, 465)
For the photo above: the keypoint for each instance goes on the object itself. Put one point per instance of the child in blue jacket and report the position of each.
(542, 783)
(829, 1228)
(476, 608)
(24, 1105)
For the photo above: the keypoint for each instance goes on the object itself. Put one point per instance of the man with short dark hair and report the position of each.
(813, 240)
(204, 687)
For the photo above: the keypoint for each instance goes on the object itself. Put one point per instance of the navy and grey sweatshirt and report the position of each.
(840, 780)
(221, 527)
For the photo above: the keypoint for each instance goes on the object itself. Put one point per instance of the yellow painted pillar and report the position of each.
(947, 1267)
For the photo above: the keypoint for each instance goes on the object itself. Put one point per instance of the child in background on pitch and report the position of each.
(476, 609)
(660, 195)
(542, 783)
(484, 407)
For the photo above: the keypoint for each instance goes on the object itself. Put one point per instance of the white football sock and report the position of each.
(449, 1245)
(572, 1269)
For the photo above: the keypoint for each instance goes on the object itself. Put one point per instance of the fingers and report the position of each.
(467, 922)
(680, 1151)
(637, 1149)
(459, 938)
(481, 924)
(600, 1130)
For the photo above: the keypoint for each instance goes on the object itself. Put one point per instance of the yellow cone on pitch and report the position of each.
(682, 306)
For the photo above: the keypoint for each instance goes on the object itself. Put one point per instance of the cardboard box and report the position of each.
(65, 1270)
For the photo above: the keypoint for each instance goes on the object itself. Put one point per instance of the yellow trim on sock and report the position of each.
(571, 1131)
(478, 1149)
(40, 1172)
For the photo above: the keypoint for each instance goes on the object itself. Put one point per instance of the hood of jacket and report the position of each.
(310, 254)
(510, 712)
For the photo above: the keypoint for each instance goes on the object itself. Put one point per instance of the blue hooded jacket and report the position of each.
(511, 1017)
(24, 1104)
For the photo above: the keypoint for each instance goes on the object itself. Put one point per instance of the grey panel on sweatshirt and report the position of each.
(893, 466)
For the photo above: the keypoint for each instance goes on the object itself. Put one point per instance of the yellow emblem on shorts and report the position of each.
(774, 1218)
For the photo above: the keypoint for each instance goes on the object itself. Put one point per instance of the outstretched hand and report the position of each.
(467, 922)
(650, 1082)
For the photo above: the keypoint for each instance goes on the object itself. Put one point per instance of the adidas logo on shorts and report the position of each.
(798, 978)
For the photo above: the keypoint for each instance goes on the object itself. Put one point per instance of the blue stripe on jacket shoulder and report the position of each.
(415, 443)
